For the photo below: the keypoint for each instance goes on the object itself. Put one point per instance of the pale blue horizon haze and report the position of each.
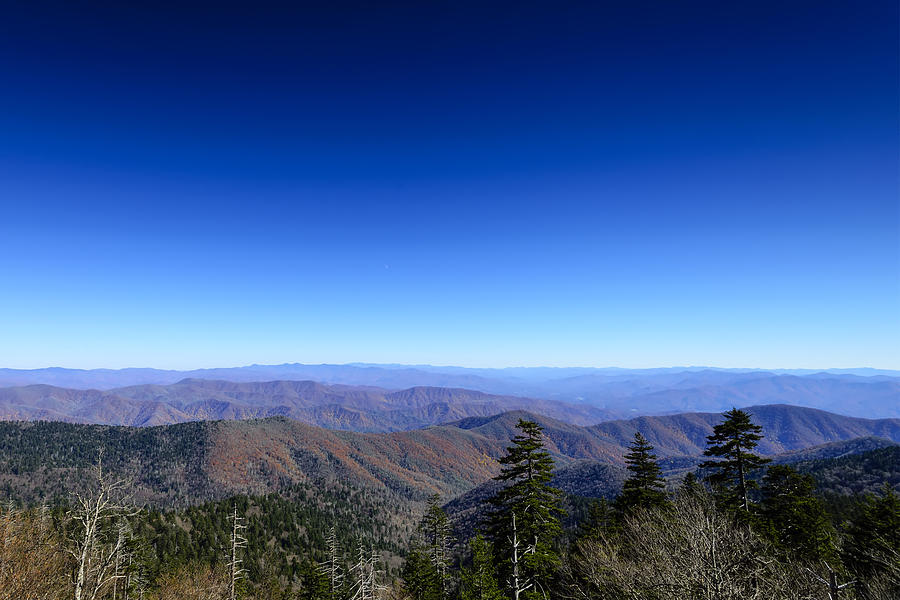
(634, 187)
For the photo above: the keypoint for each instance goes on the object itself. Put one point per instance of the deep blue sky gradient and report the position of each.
(484, 184)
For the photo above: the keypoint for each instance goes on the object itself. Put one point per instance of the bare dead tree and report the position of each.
(119, 560)
(691, 551)
(332, 567)
(138, 581)
(92, 543)
(519, 584)
(436, 532)
(366, 574)
(375, 574)
(834, 589)
(360, 575)
(883, 582)
(440, 555)
(238, 543)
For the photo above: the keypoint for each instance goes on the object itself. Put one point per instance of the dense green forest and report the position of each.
(736, 528)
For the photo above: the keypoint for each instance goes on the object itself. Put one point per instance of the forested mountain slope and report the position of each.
(786, 428)
(190, 462)
(860, 396)
(845, 468)
(862, 473)
(840, 449)
(185, 463)
(372, 486)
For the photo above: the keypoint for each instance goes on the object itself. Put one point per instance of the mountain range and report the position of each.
(354, 408)
(397, 375)
(378, 409)
(185, 463)
(619, 392)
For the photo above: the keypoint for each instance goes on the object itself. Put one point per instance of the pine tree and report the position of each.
(418, 574)
(690, 485)
(427, 568)
(436, 529)
(314, 584)
(479, 582)
(525, 518)
(873, 539)
(794, 519)
(645, 487)
(600, 520)
(732, 441)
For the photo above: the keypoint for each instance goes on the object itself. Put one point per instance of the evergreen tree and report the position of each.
(600, 520)
(732, 441)
(479, 582)
(426, 572)
(526, 515)
(793, 518)
(645, 487)
(418, 574)
(435, 528)
(873, 539)
(690, 485)
(314, 584)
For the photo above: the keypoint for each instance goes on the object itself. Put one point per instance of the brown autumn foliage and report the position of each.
(194, 583)
(33, 565)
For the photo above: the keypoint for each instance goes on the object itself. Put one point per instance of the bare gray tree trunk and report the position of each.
(99, 509)
(238, 542)
(519, 585)
(332, 567)
(834, 589)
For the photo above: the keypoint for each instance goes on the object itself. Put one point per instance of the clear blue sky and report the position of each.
(484, 184)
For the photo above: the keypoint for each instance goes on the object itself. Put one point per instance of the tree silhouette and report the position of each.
(732, 441)
(645, 487)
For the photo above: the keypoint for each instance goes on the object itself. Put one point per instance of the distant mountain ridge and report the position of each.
(388, 375)
(354, 408)
(860, 392)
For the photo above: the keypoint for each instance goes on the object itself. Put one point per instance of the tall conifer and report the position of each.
(794, 518)
(479, 582)
(525, 520)
(645, 487)
(731, 442)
